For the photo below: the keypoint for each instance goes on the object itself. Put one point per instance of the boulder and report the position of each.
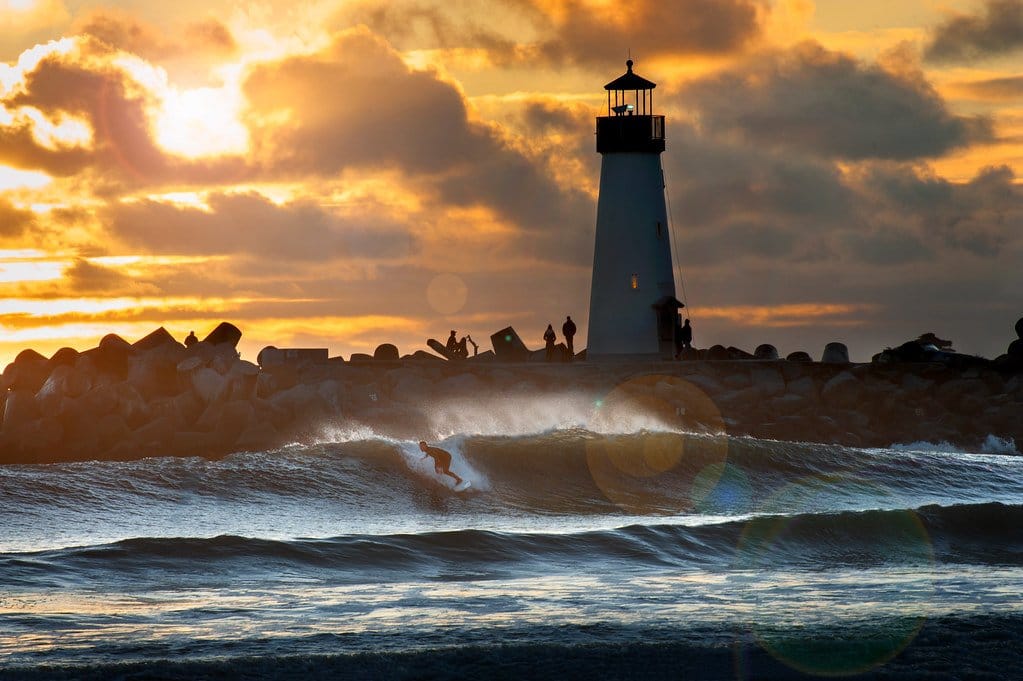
(27, 374)
(111, 356)
(508, 346)
(804, 386)
(1015, 350)
(28, 355)
(155, 339)
(63, 356)
(842, 391)
(768, 379)
(1019, 327)
(765, 351)
(154, 373)
(835, 353)
(20, 409)
(799, 356)
(209, 385)
(738, 353)
(688, 355)
(717, 353)
(387, 352)
(225, 334)
(424, 355)
(258, 437)
(360, 357)
(52, 391)
(242, 378)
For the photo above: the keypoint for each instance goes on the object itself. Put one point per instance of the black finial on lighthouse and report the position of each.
(628, 65)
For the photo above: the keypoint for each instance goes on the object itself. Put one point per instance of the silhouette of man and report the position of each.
(549, 337)
(686, 335)
(452, 344)
(441, 460)
(568, 331)
(190, 339)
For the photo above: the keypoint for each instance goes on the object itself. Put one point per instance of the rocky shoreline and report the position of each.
(156, 397)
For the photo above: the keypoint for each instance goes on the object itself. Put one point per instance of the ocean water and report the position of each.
(577, 553)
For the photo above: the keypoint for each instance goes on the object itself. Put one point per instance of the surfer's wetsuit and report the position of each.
(441, 460)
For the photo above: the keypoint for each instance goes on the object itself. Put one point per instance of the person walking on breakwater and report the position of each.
(568, 331)
(687, 335)
(190, 339)
(441, 460)
(549, 338)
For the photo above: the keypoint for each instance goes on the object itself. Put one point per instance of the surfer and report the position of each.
(441, 460)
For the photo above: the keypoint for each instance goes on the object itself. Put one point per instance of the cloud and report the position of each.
(13, 221)
(126, 32)
(828, 104)
(965, 37)
(250, 224)
(1009, 88)
(571, 31)
(358, 105)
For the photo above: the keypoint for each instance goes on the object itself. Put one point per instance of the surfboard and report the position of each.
(461, 487)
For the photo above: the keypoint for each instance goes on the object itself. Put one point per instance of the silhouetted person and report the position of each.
(441, 460)
(475, 347)
(452, 344)
(568, 331)
(549, 338)
(461, 351)
(190, 339)
(685, 337)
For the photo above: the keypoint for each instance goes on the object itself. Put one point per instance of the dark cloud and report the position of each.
(997, 30)
(572, 31)
(13, 221)
(123, 31)
(995, 88)
(250, 224)
(86, 277)
(828, 104)
(357, 105)
(584, 35)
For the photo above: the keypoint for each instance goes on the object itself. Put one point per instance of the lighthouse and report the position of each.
(633, 309)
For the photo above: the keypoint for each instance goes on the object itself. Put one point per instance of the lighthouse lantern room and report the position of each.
(633, 308)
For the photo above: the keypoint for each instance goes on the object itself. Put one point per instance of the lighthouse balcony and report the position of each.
(623, 134)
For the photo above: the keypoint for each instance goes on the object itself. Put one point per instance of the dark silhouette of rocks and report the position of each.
(387, 352)
(835, 353)
(799, 356)
(508, 346)
(155, 397)
(765, 351)
(225, 334)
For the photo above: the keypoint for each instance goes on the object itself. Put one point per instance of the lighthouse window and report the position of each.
(635, 281)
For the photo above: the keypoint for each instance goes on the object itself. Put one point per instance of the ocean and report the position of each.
(578, 552)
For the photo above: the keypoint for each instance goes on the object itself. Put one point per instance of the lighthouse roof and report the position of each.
(630, 81)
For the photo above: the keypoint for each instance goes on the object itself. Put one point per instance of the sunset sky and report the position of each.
(341, 174)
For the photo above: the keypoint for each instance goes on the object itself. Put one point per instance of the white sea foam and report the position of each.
(533, 415)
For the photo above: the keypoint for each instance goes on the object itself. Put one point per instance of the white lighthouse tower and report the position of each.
(633, 309)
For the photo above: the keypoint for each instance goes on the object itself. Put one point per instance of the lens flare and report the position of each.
(657, 470)
(447, 293)
(829, 629)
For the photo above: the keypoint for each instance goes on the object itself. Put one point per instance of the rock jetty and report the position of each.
(155, 397)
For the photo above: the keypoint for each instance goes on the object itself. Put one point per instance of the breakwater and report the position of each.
(158, 398)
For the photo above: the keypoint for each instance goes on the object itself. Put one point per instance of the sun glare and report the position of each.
(54, 135)
(201, 122)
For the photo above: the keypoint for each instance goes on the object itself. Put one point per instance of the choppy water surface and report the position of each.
(815, 559)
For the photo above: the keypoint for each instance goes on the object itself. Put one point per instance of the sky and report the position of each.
(343, 174)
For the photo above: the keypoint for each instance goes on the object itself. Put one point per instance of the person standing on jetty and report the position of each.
(549, 338)
(568, 331)
(190, 339)
(441, 460)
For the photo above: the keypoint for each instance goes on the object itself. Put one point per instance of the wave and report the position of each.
(563, 472)
(984, 534)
